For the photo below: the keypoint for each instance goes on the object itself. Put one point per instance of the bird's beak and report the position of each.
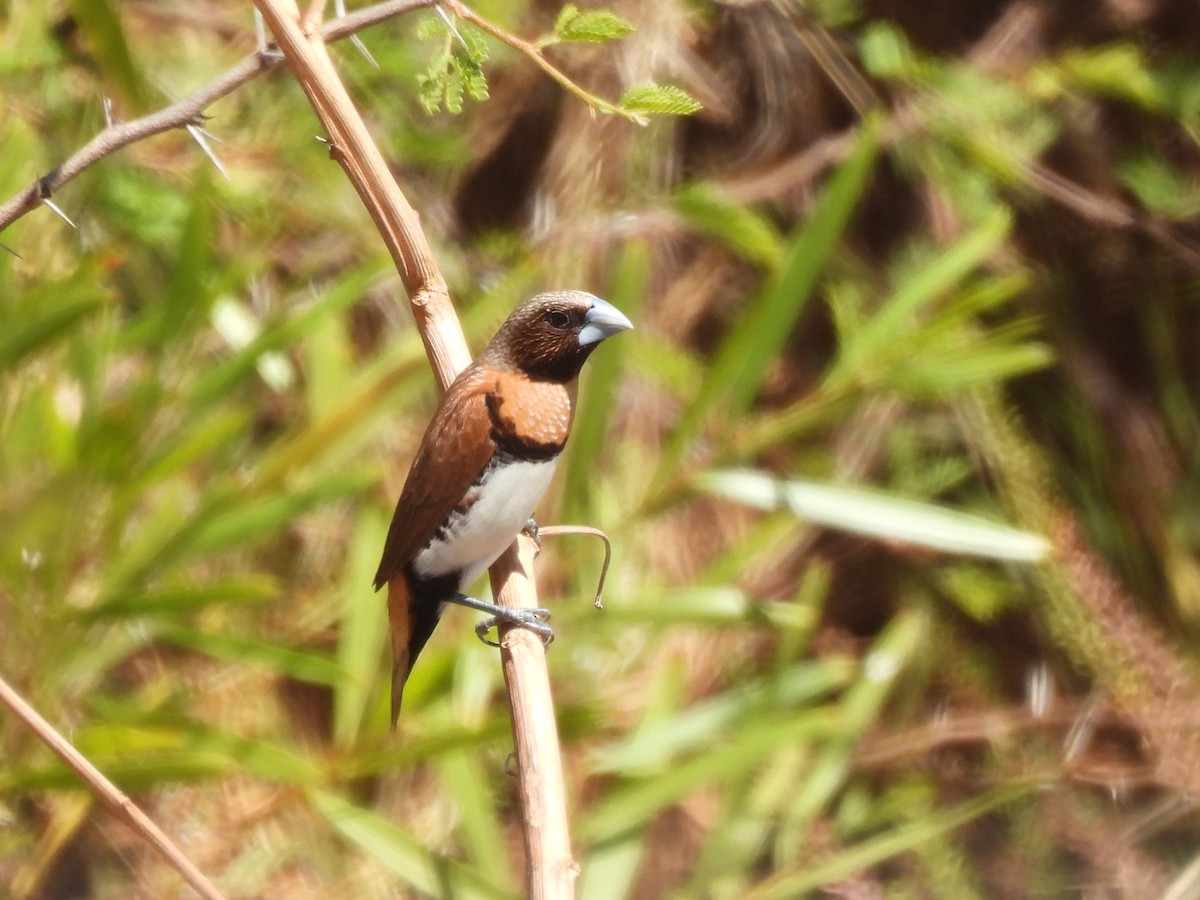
(601, 321)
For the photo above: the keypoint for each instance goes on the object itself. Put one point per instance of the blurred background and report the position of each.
(913, 262)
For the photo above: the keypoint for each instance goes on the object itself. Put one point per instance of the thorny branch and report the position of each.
(187, 112)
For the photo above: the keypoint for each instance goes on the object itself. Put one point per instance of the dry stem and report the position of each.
(550, 871)
(108, 792)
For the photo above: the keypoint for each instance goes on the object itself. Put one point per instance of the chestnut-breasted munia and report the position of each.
(482, 467)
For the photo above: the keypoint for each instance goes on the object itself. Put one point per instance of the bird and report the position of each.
(483, 464)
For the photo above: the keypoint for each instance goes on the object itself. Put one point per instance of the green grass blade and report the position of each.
(363, 627)
(878, 515)
(589, 432)
(428, 873)
(739, 229)
(757, 337)
(946, 270)
(633, 806)
(107, 45)
(890, 655)
(480, 815)
(658, 745)
(886, 846)
(137, 756)
(237, 522)
(36, 328)
(302, 665)
(249, 588)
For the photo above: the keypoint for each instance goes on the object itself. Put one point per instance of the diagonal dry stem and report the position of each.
(107, 792)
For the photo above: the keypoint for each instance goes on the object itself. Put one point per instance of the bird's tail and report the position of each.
(412, 622)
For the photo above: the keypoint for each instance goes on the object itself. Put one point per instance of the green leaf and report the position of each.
(751, 345)
(588, 449)
(424, 871)
(196, 440)
(873, 851)
(1162, 188)
(885, 51)
(593, 25)
(482, 807)
(944, 371)
(660, 743)
(740, 229)
(612, 869)
(659, 99)
(475, 45)
(244, 589)
(890, 655)
(431, 27)
(142, 756)
(949, 267)
(878, 515)
(363, 630)
(38, 327)
(302, 665)
(455, 70)
(430, 90)
(256, 343)
(247, 518)
(99, 21)
(637, 803)
(1117, 70)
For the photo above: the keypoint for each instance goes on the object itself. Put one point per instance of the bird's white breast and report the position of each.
(499, 506)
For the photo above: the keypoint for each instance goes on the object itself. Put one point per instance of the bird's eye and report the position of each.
(557, 318)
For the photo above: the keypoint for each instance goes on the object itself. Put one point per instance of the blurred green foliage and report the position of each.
(209, 394)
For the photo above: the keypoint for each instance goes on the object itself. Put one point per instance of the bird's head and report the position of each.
(551, 335)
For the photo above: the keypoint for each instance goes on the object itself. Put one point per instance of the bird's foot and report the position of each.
(531, 529)
(533, 619)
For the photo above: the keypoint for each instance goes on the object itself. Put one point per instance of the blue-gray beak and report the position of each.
(601, 321)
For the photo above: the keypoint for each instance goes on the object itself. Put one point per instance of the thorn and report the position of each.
(531, 529)
(260, 34)
(335, 152)
(1082, 730)
(107, 103)
(62, 215)
(1038, 688)
(362, 48)
(198, 135)
(453, 30)
(262, 45)
(339, 8)
(10, 250)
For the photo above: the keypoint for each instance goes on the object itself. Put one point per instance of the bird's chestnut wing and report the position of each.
(456, 447)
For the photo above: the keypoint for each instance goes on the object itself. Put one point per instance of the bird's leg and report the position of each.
(533, 619)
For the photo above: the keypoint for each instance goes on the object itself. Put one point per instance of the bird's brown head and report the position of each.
(550, 336)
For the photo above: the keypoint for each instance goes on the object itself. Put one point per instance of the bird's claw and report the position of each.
(533, 619)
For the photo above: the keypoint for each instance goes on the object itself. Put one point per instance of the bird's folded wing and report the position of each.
(456, 448)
